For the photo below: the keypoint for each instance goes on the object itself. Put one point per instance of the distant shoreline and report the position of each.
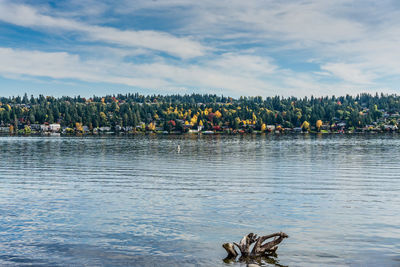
(196, 134)
(199, 114)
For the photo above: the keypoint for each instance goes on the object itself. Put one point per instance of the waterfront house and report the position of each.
(4, 129)
(187, 126)
(390, 127)
(128, 128)
(270, 128)
(54, 127)
(85, 129)
(325, 127)
(35, 127)
(44, 127)
(105, 129)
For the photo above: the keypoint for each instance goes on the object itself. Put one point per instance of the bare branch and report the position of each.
(260, 248)
(269, 247)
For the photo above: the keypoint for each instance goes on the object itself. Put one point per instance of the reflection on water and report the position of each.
(135, 201)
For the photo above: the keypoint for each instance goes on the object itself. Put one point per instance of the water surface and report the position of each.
(136, 201)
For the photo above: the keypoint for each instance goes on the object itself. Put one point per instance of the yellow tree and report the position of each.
(27, 129)
(305, 125)
(237, 120)
(263, 127)
(193, 121)
(79, 127)
(103, 116)
(318, 124)
(254, 117)
(151, 126)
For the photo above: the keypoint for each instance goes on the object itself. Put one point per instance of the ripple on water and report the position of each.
(135, 201)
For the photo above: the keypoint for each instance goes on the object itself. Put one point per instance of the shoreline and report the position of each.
(197, 134)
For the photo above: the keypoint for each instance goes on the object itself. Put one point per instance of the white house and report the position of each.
(270, 128)
(4, 129)
(44, 127)
(54, 127)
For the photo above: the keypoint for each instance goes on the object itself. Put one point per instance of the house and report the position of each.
(270, 128)
(187, 126)
(54, 127)
(4, 129)
(390, 127)
(44, 127)
(35, 127)
(105, 129)
(325, 127)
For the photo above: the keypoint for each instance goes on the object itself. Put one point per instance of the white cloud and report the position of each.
(61, 65)
(349, 72)
(240, 63)
(242, 77)
(363, 39)
(248, 76)
(304, 21)
(28, 16)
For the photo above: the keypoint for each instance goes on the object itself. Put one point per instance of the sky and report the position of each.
(236, 48)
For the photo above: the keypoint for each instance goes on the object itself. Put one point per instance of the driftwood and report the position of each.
(260, 249)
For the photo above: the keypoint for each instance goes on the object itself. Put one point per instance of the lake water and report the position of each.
(136, 201)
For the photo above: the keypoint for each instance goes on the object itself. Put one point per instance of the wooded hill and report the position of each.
(210, 111)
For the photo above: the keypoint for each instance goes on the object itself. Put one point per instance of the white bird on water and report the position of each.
(178, 149)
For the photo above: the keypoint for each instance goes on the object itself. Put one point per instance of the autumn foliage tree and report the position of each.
(305, 126)
(318, 124)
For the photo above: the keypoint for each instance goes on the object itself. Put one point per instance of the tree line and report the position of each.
(207, 110)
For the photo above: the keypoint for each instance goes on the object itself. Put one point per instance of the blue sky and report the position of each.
(252, 47)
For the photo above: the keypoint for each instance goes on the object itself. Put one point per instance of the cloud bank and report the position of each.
(236, 48)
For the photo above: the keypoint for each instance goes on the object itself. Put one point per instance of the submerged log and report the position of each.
(260, 248)
(245, 243)
(230, 248)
